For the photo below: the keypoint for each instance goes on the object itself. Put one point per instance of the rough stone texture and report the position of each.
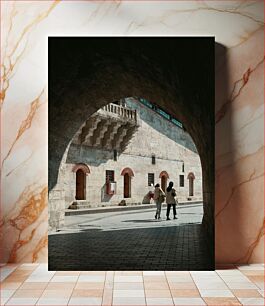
(86, 74)
(170, 144)
(163, 126)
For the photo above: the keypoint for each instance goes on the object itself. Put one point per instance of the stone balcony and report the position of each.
(110, 128)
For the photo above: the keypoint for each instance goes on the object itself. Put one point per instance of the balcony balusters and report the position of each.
(121, 111)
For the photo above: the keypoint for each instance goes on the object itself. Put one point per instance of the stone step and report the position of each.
(82, 204)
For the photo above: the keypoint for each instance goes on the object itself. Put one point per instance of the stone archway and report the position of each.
(87, 73)
(81, 166)
(128, 171)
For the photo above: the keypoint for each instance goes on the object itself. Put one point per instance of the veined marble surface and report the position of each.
(237, 25)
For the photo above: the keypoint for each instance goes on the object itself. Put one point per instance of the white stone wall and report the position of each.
(151, 138)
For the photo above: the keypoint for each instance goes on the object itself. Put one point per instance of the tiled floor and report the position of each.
(33, 284)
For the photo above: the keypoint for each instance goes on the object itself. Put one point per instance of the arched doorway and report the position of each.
(164, 177)
(127, 186)
(81, 171)
(191, 179)
(80, 185)
(163, 183)
(127, 182)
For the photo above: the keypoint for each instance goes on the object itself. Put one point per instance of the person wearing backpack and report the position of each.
(159, 197)
(170, 200)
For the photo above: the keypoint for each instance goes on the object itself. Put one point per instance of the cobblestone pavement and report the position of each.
(131, 241)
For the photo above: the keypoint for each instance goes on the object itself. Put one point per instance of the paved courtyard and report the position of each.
(132, 240)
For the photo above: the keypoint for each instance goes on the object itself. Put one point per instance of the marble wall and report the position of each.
(238, 27)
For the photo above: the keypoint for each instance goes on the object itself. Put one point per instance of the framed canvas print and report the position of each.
(132, 152)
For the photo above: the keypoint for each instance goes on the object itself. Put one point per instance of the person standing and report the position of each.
(170, 200)
(159, 197)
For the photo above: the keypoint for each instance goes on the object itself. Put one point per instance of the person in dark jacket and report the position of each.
(171, 200)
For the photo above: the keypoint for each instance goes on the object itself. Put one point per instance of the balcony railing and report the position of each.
(121, 111)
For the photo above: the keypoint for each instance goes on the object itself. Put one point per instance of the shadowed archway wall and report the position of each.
(175, 73)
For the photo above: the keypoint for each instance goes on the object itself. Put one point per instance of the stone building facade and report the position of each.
(125, 148)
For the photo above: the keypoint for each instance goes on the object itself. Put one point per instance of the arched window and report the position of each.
(81, 170)
(127, 182)
(164, 177)
(191, 178)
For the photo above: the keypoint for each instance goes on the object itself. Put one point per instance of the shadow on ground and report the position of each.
(160, 248)
(141, 221)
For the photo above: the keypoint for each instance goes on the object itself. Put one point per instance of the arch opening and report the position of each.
(103, 77)
(81, 166)
(127, 171)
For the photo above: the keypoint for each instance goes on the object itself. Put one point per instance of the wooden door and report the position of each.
(191, 186)
(127, 186)
(80, 184)
(163, 183)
